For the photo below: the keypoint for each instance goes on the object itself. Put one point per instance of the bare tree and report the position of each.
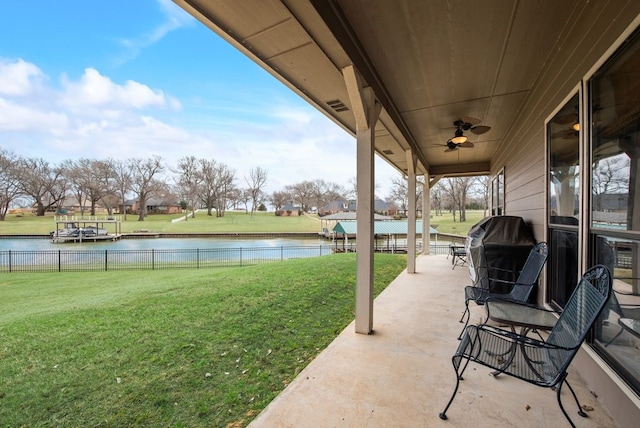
(323, 192)
(400, 192)
(611, 175)
(457, 188)
(144, 182)
(278, 199)
(121, 174)
(9, 181)
(480, 187)
(217, 186)
(89, 179)
(190, 181)
(302, 193)
(256, 181)
(437, 198)
(42, 182)
(225, 188)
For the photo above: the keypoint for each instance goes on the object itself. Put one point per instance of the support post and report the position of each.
(366, 111)
(411, 217)
(426, 216)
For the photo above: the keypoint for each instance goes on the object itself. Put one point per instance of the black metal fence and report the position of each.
(103, 260)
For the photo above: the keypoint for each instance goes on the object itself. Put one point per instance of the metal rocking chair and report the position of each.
(520, 289)
(542, 363)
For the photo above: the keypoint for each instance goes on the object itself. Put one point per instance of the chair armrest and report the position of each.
(520, 339)
(497, 298)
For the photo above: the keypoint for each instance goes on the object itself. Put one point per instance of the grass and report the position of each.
(239, 222)
(232, 222)
(445, 224)
(168, 348)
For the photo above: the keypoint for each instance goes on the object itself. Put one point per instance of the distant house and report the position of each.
(154, 206)
(289, 210)
(349, 206)
(70, 205)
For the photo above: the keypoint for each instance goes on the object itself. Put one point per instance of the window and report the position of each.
(615, 148)
(614, 112)
(563, 133)
(563, 204)
(497, 194)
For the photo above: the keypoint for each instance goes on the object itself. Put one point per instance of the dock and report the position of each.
(86, 231)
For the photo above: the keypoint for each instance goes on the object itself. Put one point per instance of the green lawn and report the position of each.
(445, 224)
(175, 348)
(239, 222)
(202, 223)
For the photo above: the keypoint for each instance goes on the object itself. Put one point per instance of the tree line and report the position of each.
(452, 194)
(197, 183)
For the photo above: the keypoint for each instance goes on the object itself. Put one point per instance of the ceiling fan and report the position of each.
(461, 140)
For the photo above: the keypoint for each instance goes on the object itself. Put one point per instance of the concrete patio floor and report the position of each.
(401, 376)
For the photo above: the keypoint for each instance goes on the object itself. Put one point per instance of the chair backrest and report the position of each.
(530, 272)
(580, 313)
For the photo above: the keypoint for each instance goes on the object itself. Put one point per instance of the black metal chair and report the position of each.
(542, 363)
(621, 310)
(520, 289)
(458, 255)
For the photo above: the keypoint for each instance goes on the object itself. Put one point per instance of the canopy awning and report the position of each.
(394, 227)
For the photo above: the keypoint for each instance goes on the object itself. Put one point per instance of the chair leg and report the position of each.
(559, 398)
(614, 338)
(466, 310)
(581, 411)
(443, 414)
(466, 322)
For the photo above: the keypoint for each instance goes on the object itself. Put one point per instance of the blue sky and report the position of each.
(124, 78)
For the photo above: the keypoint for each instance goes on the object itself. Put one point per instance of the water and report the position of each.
(41, 255)
(159, 244)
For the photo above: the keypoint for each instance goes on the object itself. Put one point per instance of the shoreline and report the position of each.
(154, 235)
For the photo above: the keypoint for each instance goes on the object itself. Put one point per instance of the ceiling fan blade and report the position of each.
(467, 144)
(563, 133)
(450, 150)
(480, 129)
(470, 120)
(566, 118)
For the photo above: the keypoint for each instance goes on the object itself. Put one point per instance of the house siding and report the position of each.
(524, 158)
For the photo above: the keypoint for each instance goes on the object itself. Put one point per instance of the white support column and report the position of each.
(366, 111)
(411, 218)
(426, 216)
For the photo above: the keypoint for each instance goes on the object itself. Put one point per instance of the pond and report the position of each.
(159, 244)
(41, 255)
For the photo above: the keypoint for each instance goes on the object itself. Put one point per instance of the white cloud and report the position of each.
(96, 90)
(94, 117)
(16, 117)
(18, 78)
(174, 18)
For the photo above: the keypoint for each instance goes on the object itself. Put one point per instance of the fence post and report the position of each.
(9, 261)
(241, 256)
(153, 259)
(197, 258)
(106, 263)
(59, 262)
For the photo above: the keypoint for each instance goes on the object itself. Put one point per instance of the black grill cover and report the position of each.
(502, 242)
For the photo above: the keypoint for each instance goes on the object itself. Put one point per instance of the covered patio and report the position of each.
(401, 375)
(541, 96)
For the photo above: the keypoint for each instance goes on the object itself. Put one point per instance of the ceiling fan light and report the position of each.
(459, 139)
